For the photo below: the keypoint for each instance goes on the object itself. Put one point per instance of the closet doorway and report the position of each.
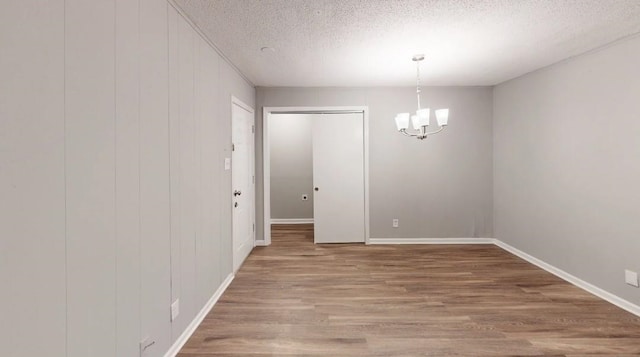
(320, 166)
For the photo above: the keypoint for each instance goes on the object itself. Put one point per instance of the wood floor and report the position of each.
(299, 299)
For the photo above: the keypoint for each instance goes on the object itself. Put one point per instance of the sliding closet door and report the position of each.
(338, 178)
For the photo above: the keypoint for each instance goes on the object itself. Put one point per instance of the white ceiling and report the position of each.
(371, 42)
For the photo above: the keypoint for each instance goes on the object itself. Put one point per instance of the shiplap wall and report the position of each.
(114, 124)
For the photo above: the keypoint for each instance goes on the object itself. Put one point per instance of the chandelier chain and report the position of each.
(418, 82)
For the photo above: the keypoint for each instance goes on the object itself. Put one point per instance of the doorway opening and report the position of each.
(323, 150)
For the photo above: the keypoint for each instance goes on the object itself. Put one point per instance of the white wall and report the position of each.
(32, 179)
(291, 166)
(438, 188)
(566, 165)
(114, 124)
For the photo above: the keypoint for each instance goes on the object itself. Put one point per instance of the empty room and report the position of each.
(319, 178)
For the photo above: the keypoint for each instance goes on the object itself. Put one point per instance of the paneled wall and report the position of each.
(115, 122)
(196, 159)
(33, 314)
(90, 177)
(127, 127)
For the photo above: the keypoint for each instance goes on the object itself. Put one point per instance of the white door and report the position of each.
(242, 173)
(338, 178)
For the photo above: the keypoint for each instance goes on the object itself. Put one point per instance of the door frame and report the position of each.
(266, 159)
(252, 157)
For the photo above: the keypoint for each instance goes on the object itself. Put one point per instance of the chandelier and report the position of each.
(420, 119)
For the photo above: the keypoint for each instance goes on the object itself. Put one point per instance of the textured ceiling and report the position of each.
(371, 42)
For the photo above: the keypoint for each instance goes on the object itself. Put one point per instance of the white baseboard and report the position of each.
(291, 220)
(175, 348)
(431, 240)
(620, 302)
(260, 243)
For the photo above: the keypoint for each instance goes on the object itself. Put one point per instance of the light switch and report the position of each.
(227, 163)
(175, 309)
(631, 278)
(145, 346)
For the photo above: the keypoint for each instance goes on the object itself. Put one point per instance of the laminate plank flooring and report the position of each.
(295, 298)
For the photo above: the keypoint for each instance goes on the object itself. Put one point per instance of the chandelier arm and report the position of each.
(436, 131)
(406, 133)
(420, 135)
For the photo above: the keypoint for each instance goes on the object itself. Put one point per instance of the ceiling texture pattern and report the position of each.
(371, 42)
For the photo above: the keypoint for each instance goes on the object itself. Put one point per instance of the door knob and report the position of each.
(316, 189)
(237, 193)
(235, 204)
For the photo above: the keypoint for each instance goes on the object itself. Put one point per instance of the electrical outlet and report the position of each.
(396, 223)
(305, 197)
(175, 309)
(145, 346)
(631, 278)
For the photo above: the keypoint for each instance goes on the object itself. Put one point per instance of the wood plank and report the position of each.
(297, 298)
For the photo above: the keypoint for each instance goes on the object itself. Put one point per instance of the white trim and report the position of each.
(312, 110)
(260, 243)
(618, 301)
(291, 220)
(266, 178)
(266, 154)
(184, 337)
(367, 234)
(431, 241)
(243, 105)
